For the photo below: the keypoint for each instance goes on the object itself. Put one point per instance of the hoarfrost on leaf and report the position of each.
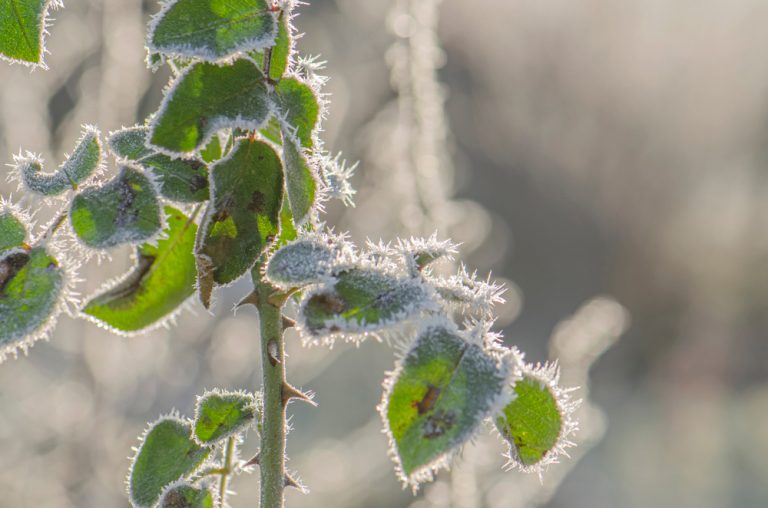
(124, 210)
(436, 398)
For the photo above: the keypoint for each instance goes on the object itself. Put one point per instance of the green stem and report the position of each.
(226, 470)
(272, 455)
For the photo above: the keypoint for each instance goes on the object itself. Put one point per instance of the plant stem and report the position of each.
(272, 455)
(226, 471)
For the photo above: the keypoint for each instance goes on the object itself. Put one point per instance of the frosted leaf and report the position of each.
(207, 98)
(167, 453)
(222, 414)
(297, 104)
(241, 219)
(183, 494)
(468, 292)
(539, 420)
(13, 232)
(363, 301)
(183, 180)
(301, 263)
(31, 288)
(162, 280)
(420, 252)
(23, 27)
(300, 180)
(75, 170)
(210, 29)
(130, 143)
(124, 210)
(436, 398)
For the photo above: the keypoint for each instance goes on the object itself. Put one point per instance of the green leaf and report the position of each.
(130, 143)
(31, 283)
(242, 218)
(123, 210)
(364, 300)
(212, 151)
(181, 180)
(163, 278)
(167, 454)
(532, 422)
(437, 397)
(272, 131)
(211, 29)
(22, 26)
(75, 170)
(297, 102)
(301, 263)
(300, 182)
(12, 231)
(186, 495)
(219, 415)
(281, 52)
(207, 98)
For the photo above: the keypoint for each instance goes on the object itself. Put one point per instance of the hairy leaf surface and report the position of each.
(364, 300)
(167, 454)
(219, 415)
(163, 278)
(75, 170)
(206, 98)
(242, 217)
(122, 211)
(212, 29)
(30, 286)
(531, 423)
(437, 397)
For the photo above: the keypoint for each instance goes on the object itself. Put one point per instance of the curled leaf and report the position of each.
(78, 167)
(437, 397)
(300, 180)
(301, 263)
(364, 300)
(161, 281)
(123, 210)
(167, 453)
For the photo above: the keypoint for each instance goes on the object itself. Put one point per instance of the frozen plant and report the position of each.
(227, 180)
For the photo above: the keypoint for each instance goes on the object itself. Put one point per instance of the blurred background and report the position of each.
(605, 159)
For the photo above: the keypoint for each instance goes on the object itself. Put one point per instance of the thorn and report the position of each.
(272, 351)
(289, 481)
(290, 392)
(255, 461)
(251, 298)
(288, 322)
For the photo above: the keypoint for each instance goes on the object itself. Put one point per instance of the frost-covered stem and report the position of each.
(55, 225)
(229, 454)
(272, 455)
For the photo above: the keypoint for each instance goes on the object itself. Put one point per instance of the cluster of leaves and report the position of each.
(449, 378)
(225, 180)
(178, 457)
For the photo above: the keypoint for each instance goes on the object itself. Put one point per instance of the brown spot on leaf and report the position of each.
(438, 424)
(257, 202)
(428, 402)
(10, 266)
